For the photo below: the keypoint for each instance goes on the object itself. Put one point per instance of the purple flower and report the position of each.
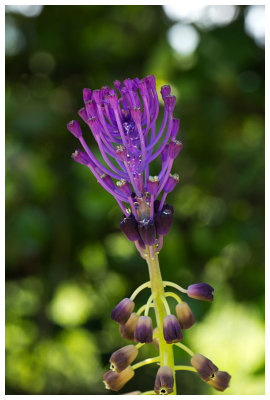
(123, 357)
(164, 380)
(205, 368)
(115, 381)
(171, 329)
(122, 311)
(220, 381)
(124, 127)
(201, 291)
(144, 330)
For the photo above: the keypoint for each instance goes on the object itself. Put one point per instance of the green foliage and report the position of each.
(67, 262)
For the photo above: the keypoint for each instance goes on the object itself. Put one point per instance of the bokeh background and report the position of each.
(67, 264)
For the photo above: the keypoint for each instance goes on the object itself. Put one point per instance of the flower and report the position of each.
(124, 128)
(123, 357)
(122, 311)
(171, 329)
(127, 329)
(201, 291)
(220, 381)
(115, 381)
(205, 368)
(164, 380)
(184, 315)
(144, 331)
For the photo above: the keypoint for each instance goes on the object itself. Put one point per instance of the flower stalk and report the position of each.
(125, 131)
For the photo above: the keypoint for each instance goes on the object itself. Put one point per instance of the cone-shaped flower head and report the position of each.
(164, 380)
(122, 311)
(144, 330)
(205, 368)
(171, 329)
(115, 381)
(220, 381)
(124, 128)
(127, 329)
(201, 291)
(123, 357)
(184, 315)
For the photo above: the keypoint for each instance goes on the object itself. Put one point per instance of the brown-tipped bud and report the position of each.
(144, 330)
(122, 311)
(127, 329)
(220, 381)
(171, 329)
(115, 381)
(164, 380)
(184, 315)
(205, 368)
(156, 339)
(123, 357)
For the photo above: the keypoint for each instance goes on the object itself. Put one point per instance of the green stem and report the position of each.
(184, 368)
(157, 288)
(185, 348)
(146, 362)
(174, 285)
(172, 294)
(139, 289)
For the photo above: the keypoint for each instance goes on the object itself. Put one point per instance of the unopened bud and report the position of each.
(124, 187)
(171, 183)
(165, 91)
(122, 311)
(147, 231)
(87, 93)
(184, 315)
(152, 184)
(108, 181)
(163, 221)
(175, 146)
(127, 329)
(83, 114)
(144, 330)
(75, 129)
(123, 357)
(201, 291)
(169, 103)
(129, 227)
(171, 329)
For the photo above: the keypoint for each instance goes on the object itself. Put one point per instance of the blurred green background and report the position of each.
(67, 264)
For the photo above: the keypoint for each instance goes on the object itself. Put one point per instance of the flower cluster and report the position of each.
(125, 131)
(124, 128)
(139, 328)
